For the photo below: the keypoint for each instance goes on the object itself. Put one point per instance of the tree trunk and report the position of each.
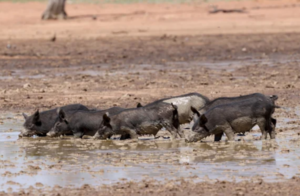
(55, 10)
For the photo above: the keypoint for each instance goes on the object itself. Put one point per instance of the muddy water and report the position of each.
(65, 161)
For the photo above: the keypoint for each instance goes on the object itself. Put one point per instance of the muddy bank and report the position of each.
(35, 53)
(123, 71)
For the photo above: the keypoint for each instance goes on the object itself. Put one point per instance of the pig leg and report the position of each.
(180, 132)
(262, 124)
(272, 134)
(229, 133)
(273, 125)
(218, 137)
(132, 133)
(173, 131)
(124, 137)
(98, 136)
(273, 121)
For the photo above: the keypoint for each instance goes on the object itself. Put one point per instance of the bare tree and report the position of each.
(55, 10)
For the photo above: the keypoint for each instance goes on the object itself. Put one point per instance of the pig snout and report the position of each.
(25, 133)
(51, 133)
(192, 136)
(96, 136)
(78, 135)
(100, 136)
(188, 135)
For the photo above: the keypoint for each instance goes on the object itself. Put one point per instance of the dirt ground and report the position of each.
(119, 55)
(124, 71)
(90, 21)
(172, 188)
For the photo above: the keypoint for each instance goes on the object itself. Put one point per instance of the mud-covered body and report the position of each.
(80, 123)
(235, 117)
(227, 100)
(40, 123)
(184, 104)
(139, 121)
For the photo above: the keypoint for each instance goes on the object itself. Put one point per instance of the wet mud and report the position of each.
(41, 162)
(125, 71)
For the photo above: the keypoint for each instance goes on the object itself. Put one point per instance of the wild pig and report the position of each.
(142, 120)
(234, 118)
(184, 104)
(80, 122)
(40, 123)
(226, 100)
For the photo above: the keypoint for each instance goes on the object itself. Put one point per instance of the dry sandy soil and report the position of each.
(22, 20)
(108, 55)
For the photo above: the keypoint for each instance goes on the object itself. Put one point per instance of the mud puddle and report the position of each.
(42, 162)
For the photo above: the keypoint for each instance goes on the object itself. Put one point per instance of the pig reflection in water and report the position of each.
(227, 151)
(66, 147)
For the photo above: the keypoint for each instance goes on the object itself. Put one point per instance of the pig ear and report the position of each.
(36, 118)
(195, 111)
(61, 114)
(25, 116)
(174, 106)
(106, 118)
(139, 105)
(273, 97)
(203, 120)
